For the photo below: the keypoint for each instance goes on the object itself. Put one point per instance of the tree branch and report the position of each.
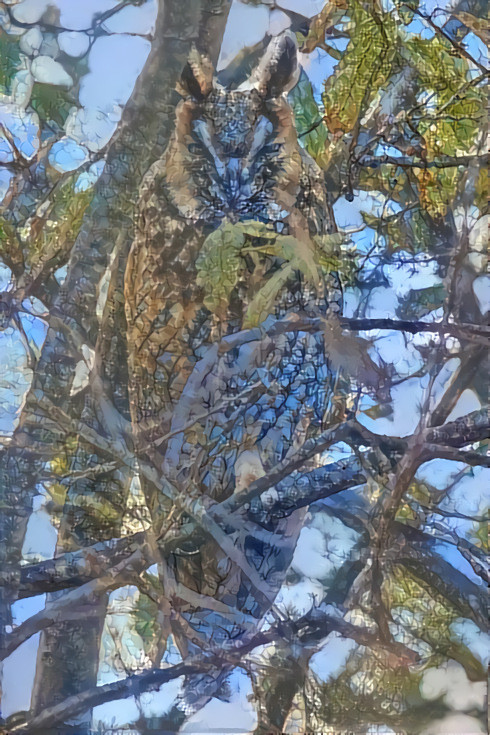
(303, 323)
(474, 459)
(440, 31)
(408, 162)
(75, 568)
(471, 363)
(464, 332)
(434, 573)
(312, 627)
(465, 430)
(316, 445)
(71, 602)
(305, 489)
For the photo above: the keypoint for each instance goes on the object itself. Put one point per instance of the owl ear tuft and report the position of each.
(278, 70)
(196, 79)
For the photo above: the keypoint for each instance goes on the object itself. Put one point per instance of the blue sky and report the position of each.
(115, 62)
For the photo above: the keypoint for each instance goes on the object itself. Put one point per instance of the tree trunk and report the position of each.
(68, 654)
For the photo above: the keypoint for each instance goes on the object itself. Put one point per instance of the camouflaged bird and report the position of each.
(234, 158)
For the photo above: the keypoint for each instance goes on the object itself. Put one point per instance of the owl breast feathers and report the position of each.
(234, 156)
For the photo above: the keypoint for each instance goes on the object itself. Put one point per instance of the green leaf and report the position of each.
(421, 302)
(309, 124)
(420, 492)
(379, 411)
(300, 254)
(452, 126)
(51, 103)
(9, 59)
(145, 615)
(262, 303)
(481, 189)
(219, 265)
(53, 234)
(330, 245)
(479, 532)
(10, 246)
(363, 70)
(371, 220)
(333, 52)
(332, 257)
(253, 228)
(406, 230)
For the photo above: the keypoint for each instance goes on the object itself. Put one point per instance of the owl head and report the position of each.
(232, 131)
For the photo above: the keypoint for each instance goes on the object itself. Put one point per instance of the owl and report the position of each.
(215, 419)
(234, 156)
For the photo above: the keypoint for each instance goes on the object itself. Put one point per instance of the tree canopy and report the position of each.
(330, 464)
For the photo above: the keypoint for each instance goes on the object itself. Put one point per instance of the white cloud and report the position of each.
(73, 43)
(454, 725)
(48, 71)
(459, 692)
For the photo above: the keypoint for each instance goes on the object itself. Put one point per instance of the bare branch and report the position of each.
(464, 332)
(316, 445)
(473, 555)
(312, 627)
(471, 362)
(407, 162)
(474, 459)
(307, 488)
(465, 430)
(73, 569)
(303, 323)
(71, 602)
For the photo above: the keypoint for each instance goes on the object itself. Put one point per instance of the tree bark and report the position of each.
(68, 655)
